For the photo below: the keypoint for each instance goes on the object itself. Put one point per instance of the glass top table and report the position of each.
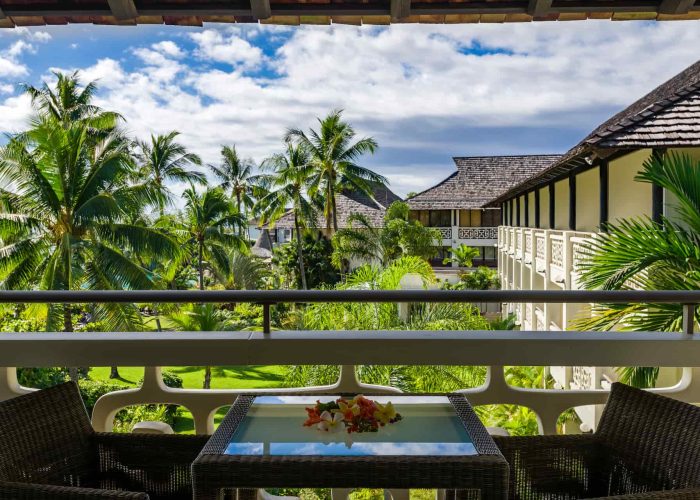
(273, 425)
(438, 443)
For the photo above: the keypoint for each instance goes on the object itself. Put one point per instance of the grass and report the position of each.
(223, 377)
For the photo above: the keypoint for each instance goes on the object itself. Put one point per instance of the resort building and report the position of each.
(347, 203)
(460, 205)
(548, 217)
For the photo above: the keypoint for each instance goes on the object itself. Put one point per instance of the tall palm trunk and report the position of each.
(334, 212)
(207, 378)
(161, 206)
(238, 208)
(300, 255)
(207, 369)
(200, 259)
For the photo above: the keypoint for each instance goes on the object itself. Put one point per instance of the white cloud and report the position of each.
(426, 92)
(227, 47)
(168, 48)
(6, 89)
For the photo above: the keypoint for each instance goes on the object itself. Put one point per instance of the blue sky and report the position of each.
(425, 92)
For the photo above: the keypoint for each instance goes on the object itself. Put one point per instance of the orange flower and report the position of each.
(314, 417)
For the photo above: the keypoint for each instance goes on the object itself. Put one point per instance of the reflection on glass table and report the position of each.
(274, 426)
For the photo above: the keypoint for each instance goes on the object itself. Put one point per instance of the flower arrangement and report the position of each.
(358, 414)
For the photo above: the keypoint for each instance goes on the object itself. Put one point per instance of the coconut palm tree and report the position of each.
(334, 157)
(69, 102)
(640, 254)
(199, 318)
(163, 160)
(64, 223)
(211, 221)
(235, 174)
(289, 183)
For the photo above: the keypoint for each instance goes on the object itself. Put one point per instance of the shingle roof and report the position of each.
(348, 203)
(263, 245)
(478, 180)
(668, 116)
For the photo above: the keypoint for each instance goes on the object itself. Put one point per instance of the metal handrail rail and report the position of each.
(686, 297)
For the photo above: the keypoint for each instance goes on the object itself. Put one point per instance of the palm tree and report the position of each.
(64, 221)
(640, 254)
(244, 272)
(164, 160)
(398, 237)
(69, 102)
(236, 174)
(334, 157)
(289, 183)
(199, 318)
(210, 221)
(463, 256)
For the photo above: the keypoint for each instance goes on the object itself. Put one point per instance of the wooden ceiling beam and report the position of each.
(539, 8)
(400, 9)
(260, 9)
(123, 10)
(676, 6)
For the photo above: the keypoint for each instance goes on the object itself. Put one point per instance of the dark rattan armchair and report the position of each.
(646, 447)
(48, 449)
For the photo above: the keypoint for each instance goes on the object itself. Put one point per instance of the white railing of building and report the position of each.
(347, 349)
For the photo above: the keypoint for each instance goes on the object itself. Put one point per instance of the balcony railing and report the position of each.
(495, 349)
(478, 233)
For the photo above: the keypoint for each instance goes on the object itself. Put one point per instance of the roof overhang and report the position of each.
(191, 13)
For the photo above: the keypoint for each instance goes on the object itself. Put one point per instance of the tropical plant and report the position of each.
(199, 318)
(243, 272)
(385, 316)
(210, 221)
(69, 102)
(236, 174)
(463, 256)
(163, 160)
(289, 182)
(641, 254)
(334, 158)
(316, 254)
(64, 218)
(398, 237)
(483, 278)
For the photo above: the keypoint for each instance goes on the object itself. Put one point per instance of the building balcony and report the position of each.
(348, 349)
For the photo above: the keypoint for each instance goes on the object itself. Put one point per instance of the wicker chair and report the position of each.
(646, 446)
(48, 449)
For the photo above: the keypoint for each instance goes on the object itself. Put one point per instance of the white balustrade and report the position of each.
(348, 349)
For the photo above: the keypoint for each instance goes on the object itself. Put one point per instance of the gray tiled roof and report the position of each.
(263, 245)
(668, 116)
(348, 203)
(478, 180)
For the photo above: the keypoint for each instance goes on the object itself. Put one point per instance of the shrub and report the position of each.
(41, 378)
(92, 390)
(316, 253)
(125, 419)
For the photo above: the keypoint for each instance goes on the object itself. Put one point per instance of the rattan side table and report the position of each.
(440, 443)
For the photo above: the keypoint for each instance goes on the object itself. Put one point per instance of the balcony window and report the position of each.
(440, 218)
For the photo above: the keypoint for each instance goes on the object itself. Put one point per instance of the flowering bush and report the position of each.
(358, 414)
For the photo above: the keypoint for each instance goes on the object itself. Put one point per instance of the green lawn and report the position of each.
(223, 377)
